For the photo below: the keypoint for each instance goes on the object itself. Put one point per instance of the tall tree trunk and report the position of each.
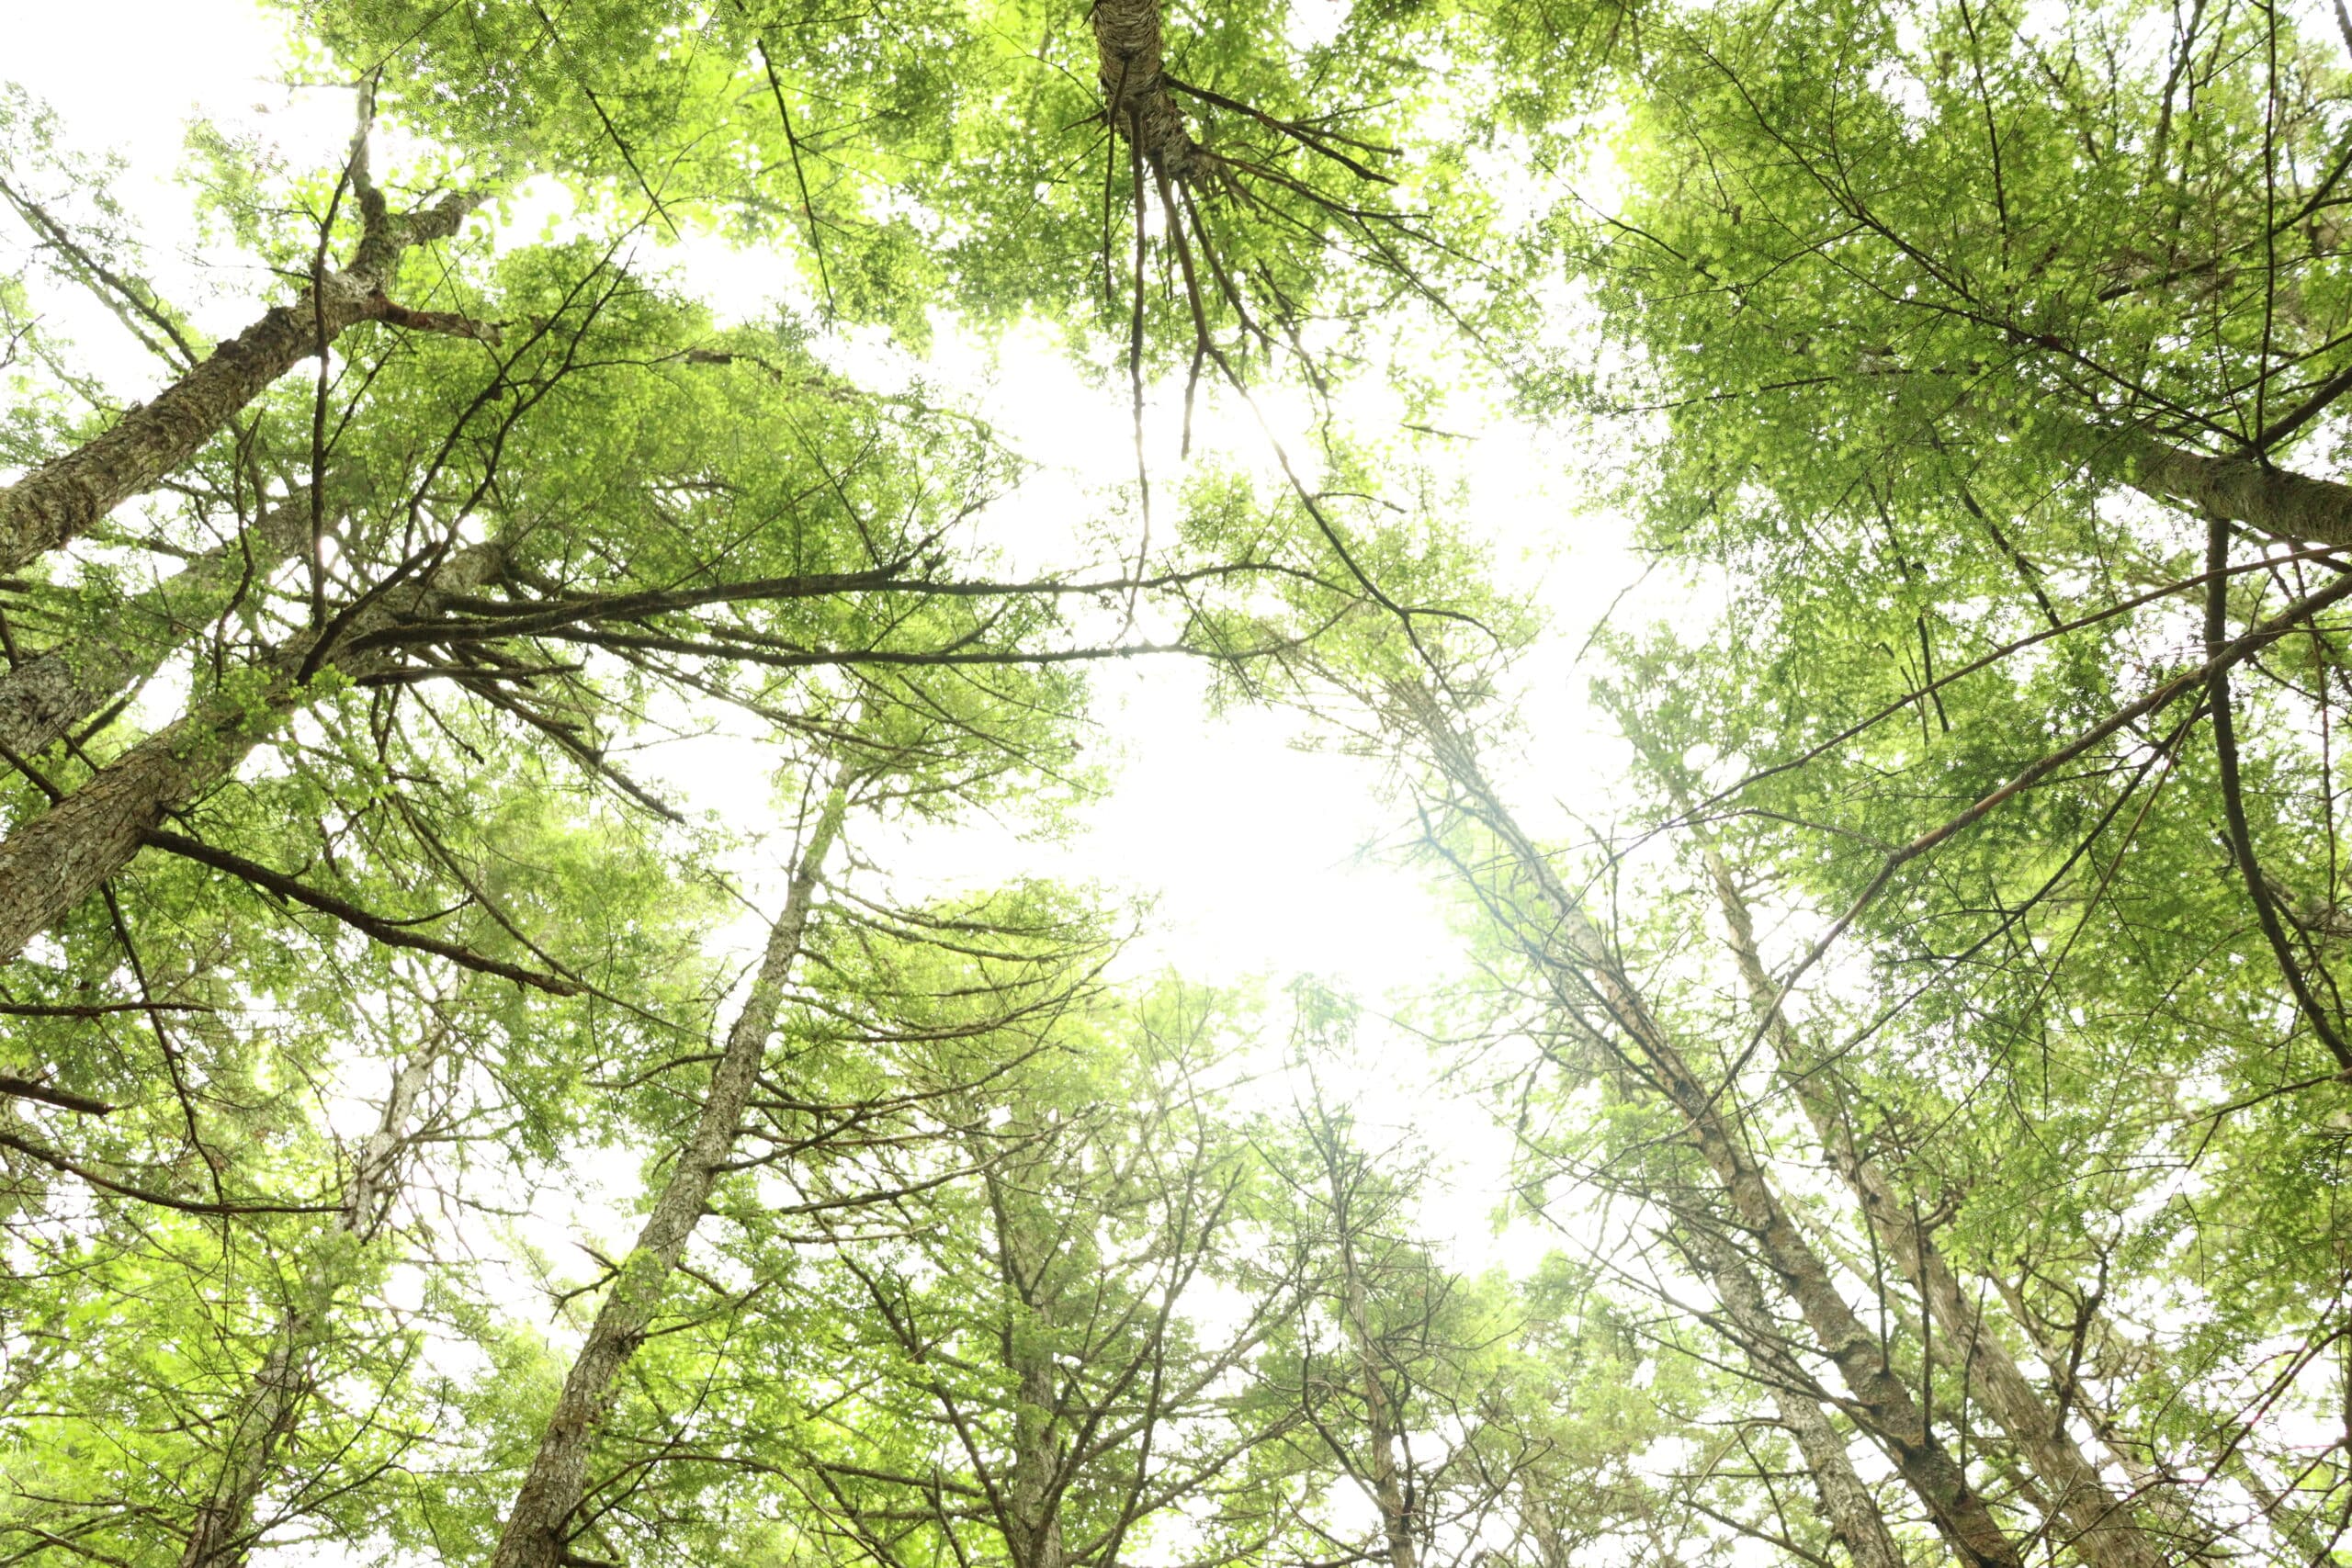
(65, 497)
(2280, 502)
(1136, 99)
(2099, 1525)
(1382, 1431)
(1847, 1505)
(1388, 1492)
(1882, 1402)
(50, 696)
(51, 862)
(2159, 1490)
(535, 1533)
(1034, 1486)
(221, 1535)
(2291, 1524)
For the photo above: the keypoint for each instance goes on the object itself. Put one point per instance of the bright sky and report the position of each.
(1260, 858)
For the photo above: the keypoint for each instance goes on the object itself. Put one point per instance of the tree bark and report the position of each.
(222, 1534)
(1135, 100)
(2160, 1491)
(1847, 1505)
(2099, 1526)
(2278, 502)
(50, 696)
(535, 1533)
(65, 497)
(1882, 1402)
(1033, 1491)
(2286, 1520)
(1382, 1431)
(52, 862)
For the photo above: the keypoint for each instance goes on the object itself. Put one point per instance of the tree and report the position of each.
(1927, 1053)
(65, 497)
(1912, 305)
(1044, 1373)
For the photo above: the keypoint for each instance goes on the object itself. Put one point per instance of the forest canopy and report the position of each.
(678, 678)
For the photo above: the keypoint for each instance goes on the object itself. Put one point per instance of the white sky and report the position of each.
(1260, 859)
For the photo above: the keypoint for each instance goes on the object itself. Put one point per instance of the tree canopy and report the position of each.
(561, 1001)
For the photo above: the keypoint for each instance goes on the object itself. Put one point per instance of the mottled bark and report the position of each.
(1847, 1505)
(1033, 1521)
(2160, 1492)
(1880, 1399)
(535, 1533)
(221, 1536)
(1136, 99)
(48, 696)
(2090, 1519)
(1383, 1428)
(1883, 1399)
(51, 862)
(65, 497)
(2278, 502)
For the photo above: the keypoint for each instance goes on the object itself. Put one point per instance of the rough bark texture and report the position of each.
(2159, 1492)
(1380, 1431)
(1033, 1515)
(1382, 1426)
(535, 1534)
(1847, 1505)
(220, 1534)
(1880, 1399)
(2277, 502)
(63, 498)
(46, 697)
(223, 1535)
(1883, 1399)
(52, 862)
(2088, 1517)
(1135, 98)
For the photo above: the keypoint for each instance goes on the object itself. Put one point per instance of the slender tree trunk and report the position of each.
(1382, 1426)
(223, 1535)
(2280, 502)
(1032, 1490)
(535, 1533)
(1883, 1399)
(1847, 1505)
(2161, 1492)
(2099, 1525)
(51, 862)
(65, 497)
(50, 696)
(1883, 1402)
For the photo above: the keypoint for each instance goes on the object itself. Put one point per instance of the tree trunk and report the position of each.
(2287, 1521)
(1847, 1505)
(50, 696)
(534, 1536)
(1033, 1491)
(2099, 1525)
(65, 497)
(2280, 502)
(51, 862)
(1135, 100)
(2158, 1490)
(223, 1535)
(1382, 1426)
(1881, 1401)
